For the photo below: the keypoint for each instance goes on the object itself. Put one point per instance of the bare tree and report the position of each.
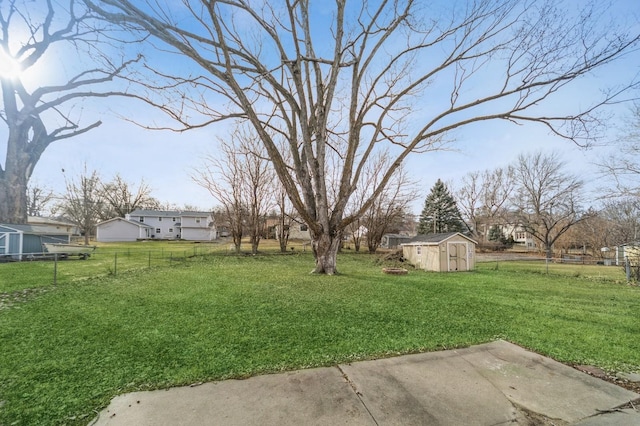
(387, 209)
(221, 177)
(121, 198)
(469, 199)
(82, 202)
(242, 180)
(32, 33)
(547, 199)
(355, 85)
(483, 197)
(285, 217)
(258, 181)
(623, 217)
(38, 199)
(622, 169)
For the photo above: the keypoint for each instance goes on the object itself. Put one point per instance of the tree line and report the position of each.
(538, 196)
(243, 181)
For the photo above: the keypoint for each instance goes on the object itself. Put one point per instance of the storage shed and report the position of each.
(18, 241)
(447, 252)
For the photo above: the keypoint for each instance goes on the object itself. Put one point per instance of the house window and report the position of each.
(158, 230)
(198, 220)
(304, 228)
(141, 219)
(173, 219)
(419, 250)
(159, 219)
(171, 230)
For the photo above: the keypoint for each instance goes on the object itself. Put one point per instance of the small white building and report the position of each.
(446, 252)
(162, 225)
(297, 231)
(119, 229)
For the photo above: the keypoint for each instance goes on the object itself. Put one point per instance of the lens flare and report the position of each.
(9, 67)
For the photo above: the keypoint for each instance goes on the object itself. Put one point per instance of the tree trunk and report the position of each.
(237, 242)
(325, 251)
(255, 241)
(13, 198)
(549, 251)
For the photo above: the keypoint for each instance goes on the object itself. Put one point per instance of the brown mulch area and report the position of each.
(603, 375)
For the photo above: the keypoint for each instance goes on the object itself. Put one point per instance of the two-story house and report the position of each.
(162, 225)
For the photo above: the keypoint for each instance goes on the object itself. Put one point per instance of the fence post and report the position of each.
(149, 259)
(55, 269)
(627, 268)
(115, 264)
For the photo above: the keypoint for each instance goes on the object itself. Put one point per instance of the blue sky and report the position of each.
(164, 159)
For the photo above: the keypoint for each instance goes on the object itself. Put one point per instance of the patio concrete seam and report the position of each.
(518, 407)
(358, 394)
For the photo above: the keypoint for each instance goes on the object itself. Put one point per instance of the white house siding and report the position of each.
(197, 234)
(168, 225)
(120, 230)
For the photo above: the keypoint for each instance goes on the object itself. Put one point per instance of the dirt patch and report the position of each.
(9, 300)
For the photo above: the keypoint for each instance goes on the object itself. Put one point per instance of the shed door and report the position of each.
(458, 257)
(3, 243)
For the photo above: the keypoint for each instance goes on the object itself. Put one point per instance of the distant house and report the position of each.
(629, 251)
(53, 225)
(446, 252)
(162, 225)
(393, 241)
(19, 241)
(297, 231)
(510, 228)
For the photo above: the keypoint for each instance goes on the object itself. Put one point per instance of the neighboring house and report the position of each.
(446, 252)
(297, 231)
(162, 225)
(509, 228)
(119, 229)
(393, 241)
(18, 241)
(629, 251)
(53, 225)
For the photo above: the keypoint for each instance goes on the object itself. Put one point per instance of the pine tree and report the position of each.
(440, 213)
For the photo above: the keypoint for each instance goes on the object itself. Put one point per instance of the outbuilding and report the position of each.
(446, 252)
(120, 229)
(393, 241)
(19, 241)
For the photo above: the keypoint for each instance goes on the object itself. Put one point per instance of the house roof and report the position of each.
(434, 239)
(167, 213)
(397, 236)
(139, 224)
(38, 220)
(35, 229)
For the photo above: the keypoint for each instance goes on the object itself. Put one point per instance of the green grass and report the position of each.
(111, 259)
(66, 352)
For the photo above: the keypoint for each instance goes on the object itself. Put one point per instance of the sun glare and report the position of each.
(9, 67)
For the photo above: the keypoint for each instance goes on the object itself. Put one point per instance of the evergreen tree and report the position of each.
(440, 213)
(496, 234)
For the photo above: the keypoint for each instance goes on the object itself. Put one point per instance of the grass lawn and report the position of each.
(67, 351)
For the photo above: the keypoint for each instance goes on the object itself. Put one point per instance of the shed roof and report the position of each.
(138, 224)
(434, 239)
